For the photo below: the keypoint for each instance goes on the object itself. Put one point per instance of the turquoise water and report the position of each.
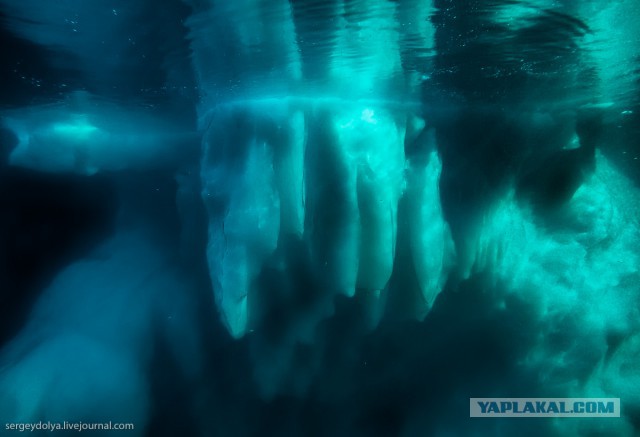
(318, 217)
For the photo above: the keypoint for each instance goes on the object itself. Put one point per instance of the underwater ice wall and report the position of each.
(346, 145)
(313, 134)
(312, 143)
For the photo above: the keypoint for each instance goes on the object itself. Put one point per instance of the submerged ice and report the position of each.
(86, 135)
(313, 156)
(357, 167)
(328, 176)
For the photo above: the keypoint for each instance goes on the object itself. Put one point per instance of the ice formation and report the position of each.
(335, 162)
(325, 164)
(86, 135)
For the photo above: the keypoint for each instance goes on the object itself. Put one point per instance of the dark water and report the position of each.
(318, 217)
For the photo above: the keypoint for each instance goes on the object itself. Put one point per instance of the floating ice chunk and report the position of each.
(328, 174)
(86, 135)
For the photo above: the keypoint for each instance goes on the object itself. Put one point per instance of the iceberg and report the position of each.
(375, 197)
